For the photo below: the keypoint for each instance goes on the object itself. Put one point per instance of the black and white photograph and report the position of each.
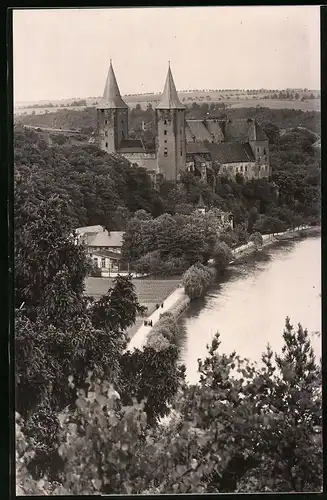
(167, 250)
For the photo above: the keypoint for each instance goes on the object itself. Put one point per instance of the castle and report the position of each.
(207, 148)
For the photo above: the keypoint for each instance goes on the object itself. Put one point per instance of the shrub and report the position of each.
(256, 238)
(164, 333)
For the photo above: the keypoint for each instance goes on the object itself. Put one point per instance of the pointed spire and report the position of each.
(111, 96)
(256, 133)
(169, 98)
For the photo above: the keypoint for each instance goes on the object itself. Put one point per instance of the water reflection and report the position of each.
(249, 304)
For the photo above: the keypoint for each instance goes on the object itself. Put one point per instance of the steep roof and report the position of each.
(231, 152)
(199, 130)
(215, 130)
(111, 95)
(169, 98)
(237, 130)
(256, 133)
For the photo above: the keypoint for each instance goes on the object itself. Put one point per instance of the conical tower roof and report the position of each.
(256, 133)
(111, 95)
(169, 98)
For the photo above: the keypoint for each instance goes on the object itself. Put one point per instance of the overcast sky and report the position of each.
(64, 53)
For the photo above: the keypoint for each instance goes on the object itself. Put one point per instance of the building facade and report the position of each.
(208, 148)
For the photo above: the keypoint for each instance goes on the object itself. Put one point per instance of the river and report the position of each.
(249, 305)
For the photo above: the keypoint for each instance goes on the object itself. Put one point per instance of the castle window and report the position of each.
(165, 122)
(165, 140)
(105, 122)
(165, 153)
(106, 144)
(181, 152)
(165, 132)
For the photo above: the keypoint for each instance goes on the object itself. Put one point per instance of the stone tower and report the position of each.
(170, 136)
(260, 147)
(112, 116)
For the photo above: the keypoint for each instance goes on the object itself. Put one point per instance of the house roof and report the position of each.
(169, 98)
(111, 95)
(89, 229)
(199, 159)
(231, 152)
(131, 146)
(104, 239)
(196, 147)
(215, 130)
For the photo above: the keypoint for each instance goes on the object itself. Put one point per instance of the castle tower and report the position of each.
(170, 137)
(260, 147)
(112, 115)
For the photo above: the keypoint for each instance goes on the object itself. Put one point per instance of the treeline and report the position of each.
(86, 119)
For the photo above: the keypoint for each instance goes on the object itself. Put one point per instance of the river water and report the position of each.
(249, 305)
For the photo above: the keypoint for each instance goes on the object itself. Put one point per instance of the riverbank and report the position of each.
(178, 301)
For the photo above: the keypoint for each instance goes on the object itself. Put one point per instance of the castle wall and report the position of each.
(144, 160)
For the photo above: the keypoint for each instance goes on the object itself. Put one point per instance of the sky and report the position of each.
(65, 53)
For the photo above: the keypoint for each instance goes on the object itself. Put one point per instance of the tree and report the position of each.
(197, 279)
(221, 255)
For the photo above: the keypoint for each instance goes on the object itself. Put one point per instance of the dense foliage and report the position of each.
(240, 429)
(197, 279)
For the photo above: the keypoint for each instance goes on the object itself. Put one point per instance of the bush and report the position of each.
(197, 279)
(164, 333)
(256, 238)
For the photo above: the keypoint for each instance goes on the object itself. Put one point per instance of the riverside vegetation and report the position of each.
(89, 412)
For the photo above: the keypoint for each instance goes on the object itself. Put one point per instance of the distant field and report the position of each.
(232, 98)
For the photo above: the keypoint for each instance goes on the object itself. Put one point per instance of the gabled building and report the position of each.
(204, 147)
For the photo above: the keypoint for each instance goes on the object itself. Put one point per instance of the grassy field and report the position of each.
(149, 292)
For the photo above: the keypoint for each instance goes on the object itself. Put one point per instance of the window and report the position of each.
(105, 122)
(165, 153)
(95, 260)
(241, 169)
(166, 141)
(106, 144)
(264, 151)
(237, 170)
(181, 152)
(165, 122)
(259, 168)
(258, 150)
(105, 133)
(246, 168)
(165, 132)
(103, 262)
